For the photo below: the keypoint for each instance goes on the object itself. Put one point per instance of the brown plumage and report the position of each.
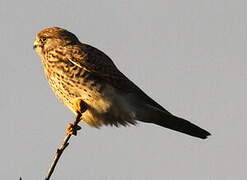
(77, 71)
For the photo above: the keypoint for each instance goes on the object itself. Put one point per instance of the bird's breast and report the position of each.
(105, 104)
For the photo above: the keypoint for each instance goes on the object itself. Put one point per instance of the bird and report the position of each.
(81, 75)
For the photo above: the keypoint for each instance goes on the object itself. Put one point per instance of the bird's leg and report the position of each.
(80, 107)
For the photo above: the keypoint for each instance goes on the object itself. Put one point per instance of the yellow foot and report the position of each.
(72, 130)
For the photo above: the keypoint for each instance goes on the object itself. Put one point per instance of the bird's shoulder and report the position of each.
(87, 55)
(98, 63)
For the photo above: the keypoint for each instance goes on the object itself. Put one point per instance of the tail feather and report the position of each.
(183, 126)
(156, 114)
(151, 114)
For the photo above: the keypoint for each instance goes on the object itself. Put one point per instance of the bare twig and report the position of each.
(62, 147)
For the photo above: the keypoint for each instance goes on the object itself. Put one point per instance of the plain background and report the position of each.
(190, 56)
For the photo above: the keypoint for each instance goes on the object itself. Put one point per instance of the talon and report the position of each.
(72, 130)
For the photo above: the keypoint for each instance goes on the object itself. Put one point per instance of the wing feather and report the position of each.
(95, 61)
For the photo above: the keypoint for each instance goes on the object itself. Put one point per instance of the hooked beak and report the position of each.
(38, 46)
(35, 44)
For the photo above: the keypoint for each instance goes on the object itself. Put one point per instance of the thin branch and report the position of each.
(62, 147)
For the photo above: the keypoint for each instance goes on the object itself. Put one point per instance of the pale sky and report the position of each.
(190, 56)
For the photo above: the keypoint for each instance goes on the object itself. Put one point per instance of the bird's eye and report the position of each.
(43, 39)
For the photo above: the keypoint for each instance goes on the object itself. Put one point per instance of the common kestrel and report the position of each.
(78, 72)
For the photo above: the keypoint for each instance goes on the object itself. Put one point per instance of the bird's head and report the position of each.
(53, 37)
